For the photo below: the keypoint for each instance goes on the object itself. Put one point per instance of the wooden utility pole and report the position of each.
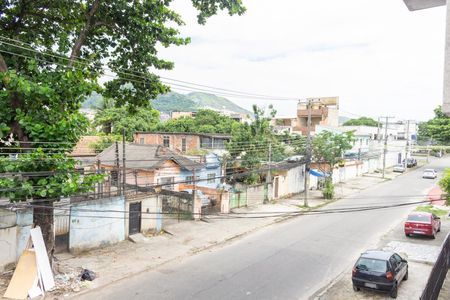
(308, 152)
(117, 179)
(407, 145)
(269, 173)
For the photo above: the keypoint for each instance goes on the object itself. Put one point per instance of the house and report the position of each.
(324, 112)
(184, 142)
(288, 179)
(209, 176)
(84, 152)
(147, 165)
(284, 124)
(180, 114)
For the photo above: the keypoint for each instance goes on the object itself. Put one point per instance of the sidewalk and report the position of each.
(181, 240)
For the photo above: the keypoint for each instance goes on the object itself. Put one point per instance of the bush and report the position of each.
(444, 183)
(328, 190)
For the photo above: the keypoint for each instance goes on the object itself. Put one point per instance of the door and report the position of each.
(134, 225)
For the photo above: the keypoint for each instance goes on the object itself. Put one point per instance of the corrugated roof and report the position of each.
(143, 156)
(215, 135)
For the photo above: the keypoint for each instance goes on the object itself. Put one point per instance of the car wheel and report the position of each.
(407, 234)
(355, 288)
(433, 236)
(439, 229)
(394, 291)
(406, 275)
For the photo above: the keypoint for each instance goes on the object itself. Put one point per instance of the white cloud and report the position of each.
(376, 55)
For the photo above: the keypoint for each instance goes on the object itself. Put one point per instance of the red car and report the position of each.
(422, 223)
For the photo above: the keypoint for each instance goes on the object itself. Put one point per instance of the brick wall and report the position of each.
(175, 140)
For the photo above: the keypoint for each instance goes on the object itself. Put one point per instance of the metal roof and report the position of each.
(423, 4)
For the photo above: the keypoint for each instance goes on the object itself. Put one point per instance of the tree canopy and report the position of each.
(329, 147)
(437, 129)
(362, 121)
(52, 55)
(205, 121)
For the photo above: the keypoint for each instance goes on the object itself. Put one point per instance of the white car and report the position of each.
(429, 173)
(399, 168)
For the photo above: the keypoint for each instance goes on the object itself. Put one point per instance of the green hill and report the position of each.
(195, 101)
(180, 102)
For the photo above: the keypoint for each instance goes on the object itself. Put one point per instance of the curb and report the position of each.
(224, 242)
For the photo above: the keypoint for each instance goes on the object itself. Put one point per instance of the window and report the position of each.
(206, 142)
(369, 264)
(167, 183)
(141, 140)
(211, 178)
(189, 179)
(183, 144)
(166, 141)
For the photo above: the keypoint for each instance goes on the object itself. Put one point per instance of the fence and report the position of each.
(438, 273)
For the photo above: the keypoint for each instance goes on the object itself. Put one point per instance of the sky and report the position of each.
(378, 57)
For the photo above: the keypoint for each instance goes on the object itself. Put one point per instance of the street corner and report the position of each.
(410, 289)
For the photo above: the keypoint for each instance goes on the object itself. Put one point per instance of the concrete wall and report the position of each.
(96, 228)
(151, 208)
(255, 195)
(8, 247)
(14, 233)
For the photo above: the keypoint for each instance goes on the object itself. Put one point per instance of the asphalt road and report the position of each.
(289, 260)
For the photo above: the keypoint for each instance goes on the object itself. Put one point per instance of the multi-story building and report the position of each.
(184, 142)
(324, 111)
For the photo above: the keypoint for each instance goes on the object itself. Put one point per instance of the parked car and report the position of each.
(410, 162)
(422, 223)
(429, 173)
(379, 270)
(399, 168)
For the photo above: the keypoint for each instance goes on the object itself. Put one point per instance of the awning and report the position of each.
(317, 173)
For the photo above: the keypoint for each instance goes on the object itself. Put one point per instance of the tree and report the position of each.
(52, 54)
(444, 183)
(116, 119)
(205, 121)
(437, 129)
(363, 121)
(251, 142)
(328, 148)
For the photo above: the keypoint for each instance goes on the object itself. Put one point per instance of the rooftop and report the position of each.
(145, 157)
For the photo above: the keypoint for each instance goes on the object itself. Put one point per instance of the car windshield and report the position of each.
(429, 170)
(419, 218)
(370, 264)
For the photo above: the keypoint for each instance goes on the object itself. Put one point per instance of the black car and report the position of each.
(410, 162)
(379, 270)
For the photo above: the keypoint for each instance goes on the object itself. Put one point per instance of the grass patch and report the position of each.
(431, 209)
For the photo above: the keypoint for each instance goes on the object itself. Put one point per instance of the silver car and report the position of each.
(429, 174)
(399, 168)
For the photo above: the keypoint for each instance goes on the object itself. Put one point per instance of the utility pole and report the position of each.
(117, 179)
(378, 130)
(124, 175)
(308, 152)
(269, 174)
(385, 143)
(407, 145)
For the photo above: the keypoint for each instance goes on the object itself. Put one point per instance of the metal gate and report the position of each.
(61, 221)
(134, 225)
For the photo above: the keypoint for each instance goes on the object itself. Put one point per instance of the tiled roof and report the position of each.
(83, 146)
(147, 157)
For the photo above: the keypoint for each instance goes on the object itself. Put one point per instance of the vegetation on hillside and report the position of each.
(436, 129)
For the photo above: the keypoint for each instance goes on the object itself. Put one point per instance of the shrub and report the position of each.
(444, 183)
(328, 190)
